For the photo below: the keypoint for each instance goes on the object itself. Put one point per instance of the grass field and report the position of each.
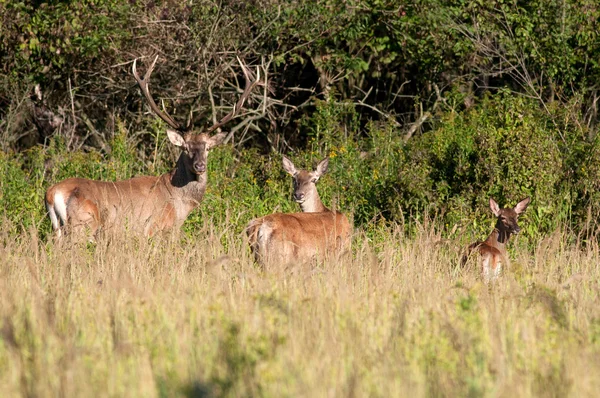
(426, 110)
(194, 316)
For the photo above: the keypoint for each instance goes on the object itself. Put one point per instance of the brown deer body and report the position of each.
(147, 204)
(288, 237)
(493, 249)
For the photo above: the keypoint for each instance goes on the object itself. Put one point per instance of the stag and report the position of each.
(146, 204)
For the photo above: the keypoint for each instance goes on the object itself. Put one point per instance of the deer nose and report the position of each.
(516, 230)
(299, 196)
(199, 167)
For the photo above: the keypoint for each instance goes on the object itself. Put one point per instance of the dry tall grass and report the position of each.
(195, 317)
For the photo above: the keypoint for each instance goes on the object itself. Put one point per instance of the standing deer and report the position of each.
(146, 204)
(493, 249)
(288, 237)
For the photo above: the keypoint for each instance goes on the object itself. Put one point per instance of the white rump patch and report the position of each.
(60, 206)
(53, 217)
(264, 234)
(57, 212)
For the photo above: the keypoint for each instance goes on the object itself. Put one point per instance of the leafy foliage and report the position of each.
(44, 41)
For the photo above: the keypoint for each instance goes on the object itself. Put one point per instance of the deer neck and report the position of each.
(190, 187)
(499, 237)
(313, 204)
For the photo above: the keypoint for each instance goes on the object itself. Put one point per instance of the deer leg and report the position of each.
(57, 210)
(497, 267)
(163, 222)
(83, 216)
(486, 268)
(56, 223)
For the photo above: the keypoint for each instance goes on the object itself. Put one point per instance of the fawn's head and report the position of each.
(508, 217)
(305, 188)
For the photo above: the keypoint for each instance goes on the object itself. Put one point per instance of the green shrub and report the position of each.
(51, 37)
(504, 148)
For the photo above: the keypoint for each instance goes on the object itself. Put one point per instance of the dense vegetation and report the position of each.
(426, 109)
(430, 107)
(196, 318)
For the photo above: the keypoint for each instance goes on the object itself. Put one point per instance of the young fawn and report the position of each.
(493, 249)
(288, 237)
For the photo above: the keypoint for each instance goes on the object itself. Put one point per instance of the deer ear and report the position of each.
(176, 138)
(495, 207)
(289, 167)
(216, 139)
(522, 205)
(321, 167)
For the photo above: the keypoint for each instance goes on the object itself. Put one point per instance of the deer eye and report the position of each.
(314, 180)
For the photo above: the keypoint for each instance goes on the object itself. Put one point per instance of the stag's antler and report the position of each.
(144, 87)
(250, 84)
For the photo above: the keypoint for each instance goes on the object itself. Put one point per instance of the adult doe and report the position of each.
(493, 249)
(289, 237)
(146, 204)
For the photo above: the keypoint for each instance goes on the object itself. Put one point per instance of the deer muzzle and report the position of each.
(199, 168)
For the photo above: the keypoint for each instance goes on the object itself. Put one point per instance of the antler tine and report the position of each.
(143, 83)
(250, 84)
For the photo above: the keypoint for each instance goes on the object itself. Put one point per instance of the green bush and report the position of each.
(505, 148)
(44, 41)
